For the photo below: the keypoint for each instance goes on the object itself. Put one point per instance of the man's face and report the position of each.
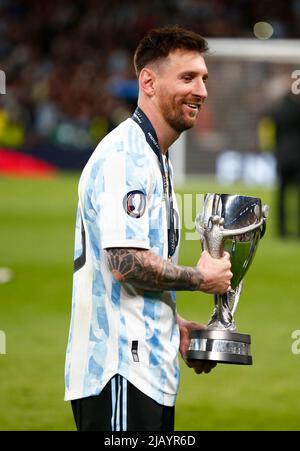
(180, 88)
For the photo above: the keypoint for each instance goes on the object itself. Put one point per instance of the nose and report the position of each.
(200, 90)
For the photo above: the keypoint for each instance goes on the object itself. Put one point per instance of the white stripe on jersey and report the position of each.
(124, 404)
(114, 166)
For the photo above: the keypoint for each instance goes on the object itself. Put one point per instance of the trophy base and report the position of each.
(221, 346)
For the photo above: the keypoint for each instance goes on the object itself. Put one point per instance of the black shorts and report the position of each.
(122, 407)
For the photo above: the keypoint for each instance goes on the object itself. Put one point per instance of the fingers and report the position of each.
(184, 340)
(201, 366)
(197, 326)
(216, 273)
(226, 255)
(207, 367)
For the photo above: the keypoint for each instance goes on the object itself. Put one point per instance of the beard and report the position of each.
(174, 115)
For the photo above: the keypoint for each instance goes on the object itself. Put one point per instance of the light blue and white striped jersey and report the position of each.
(117, 328)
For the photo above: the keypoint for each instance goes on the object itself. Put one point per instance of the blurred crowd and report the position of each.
(68, 64)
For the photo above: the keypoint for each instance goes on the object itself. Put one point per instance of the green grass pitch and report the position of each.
(36, 241)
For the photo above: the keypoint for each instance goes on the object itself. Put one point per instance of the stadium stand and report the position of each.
(68, 63)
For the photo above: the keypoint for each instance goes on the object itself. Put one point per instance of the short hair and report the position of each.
(159, 42)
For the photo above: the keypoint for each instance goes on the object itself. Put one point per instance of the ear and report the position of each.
(147, 81)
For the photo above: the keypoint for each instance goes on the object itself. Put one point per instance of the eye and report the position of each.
(187, 78)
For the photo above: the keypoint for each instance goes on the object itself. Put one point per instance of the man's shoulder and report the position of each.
(127, 139)
(124, 137)
(126, 142)
(117, 134)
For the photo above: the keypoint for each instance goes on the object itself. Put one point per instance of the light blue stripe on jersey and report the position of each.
(156, 358)
(156, 228)
(115, 294)
(99, 333)
(123, 340)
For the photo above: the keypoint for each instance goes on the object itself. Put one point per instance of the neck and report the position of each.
(166, 135)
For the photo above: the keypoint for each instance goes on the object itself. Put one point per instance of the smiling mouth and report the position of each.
(193, 106)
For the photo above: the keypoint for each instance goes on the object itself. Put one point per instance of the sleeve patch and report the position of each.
(134, 203)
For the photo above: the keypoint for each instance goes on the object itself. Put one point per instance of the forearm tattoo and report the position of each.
(144, 269)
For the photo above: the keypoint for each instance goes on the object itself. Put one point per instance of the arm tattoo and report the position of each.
(144, 269)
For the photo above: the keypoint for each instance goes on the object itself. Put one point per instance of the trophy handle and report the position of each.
(217, 232)
(243, 230)
(213, 235)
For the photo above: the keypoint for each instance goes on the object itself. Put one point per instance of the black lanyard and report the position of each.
(141, 119)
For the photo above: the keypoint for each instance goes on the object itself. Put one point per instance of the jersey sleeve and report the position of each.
(123, 215)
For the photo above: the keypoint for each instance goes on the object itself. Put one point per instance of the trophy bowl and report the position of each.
(233, 223)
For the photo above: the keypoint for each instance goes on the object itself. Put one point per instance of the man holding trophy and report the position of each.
(122, 369)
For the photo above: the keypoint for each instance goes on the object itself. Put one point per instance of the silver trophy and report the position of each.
(233, 223)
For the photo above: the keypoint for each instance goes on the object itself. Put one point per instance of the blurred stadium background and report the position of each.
(69, 81)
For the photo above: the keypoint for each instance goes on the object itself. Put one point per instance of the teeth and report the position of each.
(191, 105)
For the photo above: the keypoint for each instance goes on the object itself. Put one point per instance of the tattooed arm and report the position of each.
(144, 269)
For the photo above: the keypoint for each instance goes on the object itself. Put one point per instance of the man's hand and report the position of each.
(185, 328)
(215, 272)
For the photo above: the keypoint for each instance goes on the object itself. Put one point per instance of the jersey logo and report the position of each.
(134, 203)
